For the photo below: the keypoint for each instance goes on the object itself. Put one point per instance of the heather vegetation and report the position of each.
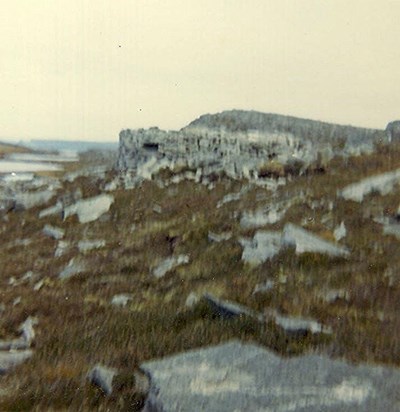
(78, 325)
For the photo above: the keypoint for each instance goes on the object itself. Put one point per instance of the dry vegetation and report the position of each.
(78, 327)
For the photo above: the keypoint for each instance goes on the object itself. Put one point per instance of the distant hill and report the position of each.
(76, 146)
(6, 148)
(244, 121)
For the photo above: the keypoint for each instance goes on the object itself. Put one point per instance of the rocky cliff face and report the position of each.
(393, 131)
(240, 143)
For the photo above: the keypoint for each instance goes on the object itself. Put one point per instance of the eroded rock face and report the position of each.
(393, 131)
(148, 151)
(244, 377)
(240, 144)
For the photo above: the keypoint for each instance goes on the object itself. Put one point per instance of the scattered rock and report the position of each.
(70, 197)
(26, 338)
(12, 281)
(304, 241)
(62, 248)
(89, 209)
(170, 263)
(383, 184)
(28, 333)
(298, 326)
(53, 232)
(262, 217)
(236, 376)
(38, 285)
(53, 210)
(121, 300)
(28, 200)
(94, 172)
(18, 243)
(112, 186)
(87, 245)
(264, 245)
(192, 300)
(28, 276)
(72, 268)
(340, 232)
(219, 237)
(391, 226)
(335, 294)
(227, 309)
(103, 377)
(9, 360)
(157, 209)
(230, 197)
(264, 287)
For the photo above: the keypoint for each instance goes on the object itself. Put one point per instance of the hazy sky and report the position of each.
(85, 69)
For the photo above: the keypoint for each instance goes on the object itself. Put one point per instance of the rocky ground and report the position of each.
(99, 279)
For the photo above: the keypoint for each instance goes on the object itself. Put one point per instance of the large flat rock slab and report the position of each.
(304, 241)
(383, 184)
(89, 209)
(245, 377)
(266, 244)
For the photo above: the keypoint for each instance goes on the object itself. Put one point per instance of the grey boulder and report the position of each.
(10, 359)
(245, 377)
(103, 378)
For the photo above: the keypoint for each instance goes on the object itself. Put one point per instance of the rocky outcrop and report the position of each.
(233, 121)
(238, 155)
(393, 131)
(240, 144)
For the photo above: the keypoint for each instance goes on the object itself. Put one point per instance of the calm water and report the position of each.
(8, 166)
(44, 157)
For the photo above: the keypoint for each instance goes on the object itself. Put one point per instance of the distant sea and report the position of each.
(67, 145)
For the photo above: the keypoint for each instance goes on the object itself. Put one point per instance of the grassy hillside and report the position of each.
(79, 327)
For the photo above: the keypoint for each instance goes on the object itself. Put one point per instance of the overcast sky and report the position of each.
(85, 69)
